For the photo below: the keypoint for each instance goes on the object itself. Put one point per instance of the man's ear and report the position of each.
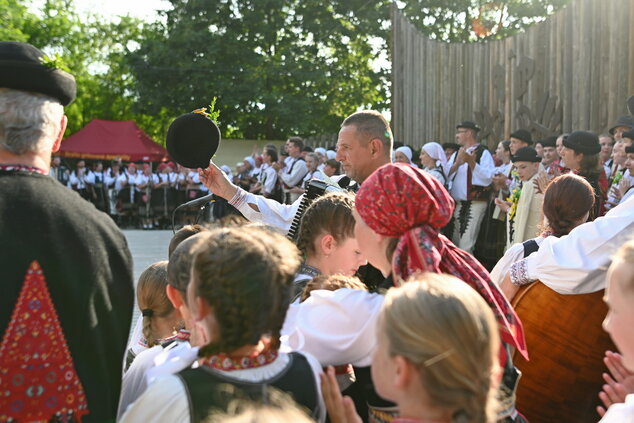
(62, 128)
(175, 296)
(376, 147)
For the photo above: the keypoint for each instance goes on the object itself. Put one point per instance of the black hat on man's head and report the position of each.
(467, 124)
(629, 149)
(583, 142)
(23, 67)
(629, 134)
(192, 140)
(626, 120)
(523, 135)
(549, 141)
(526, 154)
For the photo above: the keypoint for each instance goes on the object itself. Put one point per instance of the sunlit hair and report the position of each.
(332, 283)
(328, 214)
(373, 125)
(625, 255)
(29, 122)
(152, 298)
(567, 199)
(444, 327)
(245, 275)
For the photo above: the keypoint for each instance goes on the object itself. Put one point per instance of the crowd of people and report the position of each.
(379, 311)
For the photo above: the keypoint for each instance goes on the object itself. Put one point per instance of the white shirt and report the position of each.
(620, 412)
(481, 174)
(336, 327)
(512, 255)
(76, 181)
(95, 178)
(166, 399)
(316, 174)
(576, 263)
(268, 178)
(295, 172)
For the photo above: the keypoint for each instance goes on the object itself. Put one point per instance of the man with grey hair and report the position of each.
(66, 270)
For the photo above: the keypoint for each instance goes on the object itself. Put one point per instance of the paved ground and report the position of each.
(147, 247)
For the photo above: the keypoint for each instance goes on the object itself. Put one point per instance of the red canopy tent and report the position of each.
(111, 139)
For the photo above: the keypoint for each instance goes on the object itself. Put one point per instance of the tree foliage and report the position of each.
(278, 67)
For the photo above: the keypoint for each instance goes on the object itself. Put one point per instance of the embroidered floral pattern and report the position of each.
(226, 363)
(519, 273)
(37, 373)
(22, 168)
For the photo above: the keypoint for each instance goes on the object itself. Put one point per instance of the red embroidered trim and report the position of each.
(38, 378)
(22, 168)
(227, 363)
(181, 335)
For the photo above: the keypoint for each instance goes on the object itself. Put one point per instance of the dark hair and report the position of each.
(566, 200)
(328, 214)
(181, 235)
(333, 163)
(452, 145)
(307, 149)
(590, 165)
(272, 153)
(297, 141)
(180, 262)
(245, 274)
(506, 144)
(152, 298)
(372, 124)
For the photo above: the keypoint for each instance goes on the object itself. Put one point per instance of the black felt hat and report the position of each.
(549, 142)
(626, 120)
(22, 67)
(583, 142)
(523, 135)
(629, 149)
(526, 154)
(467, 124)
(192, 140)
(629, 134)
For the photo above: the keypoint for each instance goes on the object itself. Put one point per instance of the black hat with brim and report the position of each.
(523, 135)
(22, 68)
(526, 154)
(549, 141)
(192, 140)
(629, 134)
(583, 142)
(467, 124)
(626, 120)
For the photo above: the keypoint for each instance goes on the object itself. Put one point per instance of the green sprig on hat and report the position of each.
(54, 62)
(212, 114)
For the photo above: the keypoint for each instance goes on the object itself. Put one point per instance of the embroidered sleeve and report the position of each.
(239, 198)
(519, 273)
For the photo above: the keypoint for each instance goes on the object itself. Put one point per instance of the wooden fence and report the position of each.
(573, 71)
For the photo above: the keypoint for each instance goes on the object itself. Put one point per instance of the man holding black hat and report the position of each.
(65, 267)
(471, 170)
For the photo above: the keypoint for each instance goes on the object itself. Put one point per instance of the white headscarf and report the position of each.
(320, 150)
(436, 152)
(330, 154)
(251, 161)
(405, 150)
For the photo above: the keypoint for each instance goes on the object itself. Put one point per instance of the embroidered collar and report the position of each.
(22, 168)
(309, 270)
(226, 363)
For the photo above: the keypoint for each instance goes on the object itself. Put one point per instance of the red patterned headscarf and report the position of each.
(403, 202)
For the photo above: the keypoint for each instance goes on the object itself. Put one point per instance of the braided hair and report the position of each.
(328, 214)
(152, 298)
(245, 276)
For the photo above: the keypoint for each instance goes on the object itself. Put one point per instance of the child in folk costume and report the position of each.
(161, 322)
(437, 343)
(399, 211)
(238, 296)
(619, 321)
(524, 206)
(326, 239)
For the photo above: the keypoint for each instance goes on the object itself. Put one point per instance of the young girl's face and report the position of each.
(311, 163)
(400, 157)
(371, 245)
(346, 257)
(620, 319)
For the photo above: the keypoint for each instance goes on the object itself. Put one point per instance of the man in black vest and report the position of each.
(58, 254)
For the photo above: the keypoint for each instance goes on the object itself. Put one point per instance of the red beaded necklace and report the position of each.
(228, 363)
